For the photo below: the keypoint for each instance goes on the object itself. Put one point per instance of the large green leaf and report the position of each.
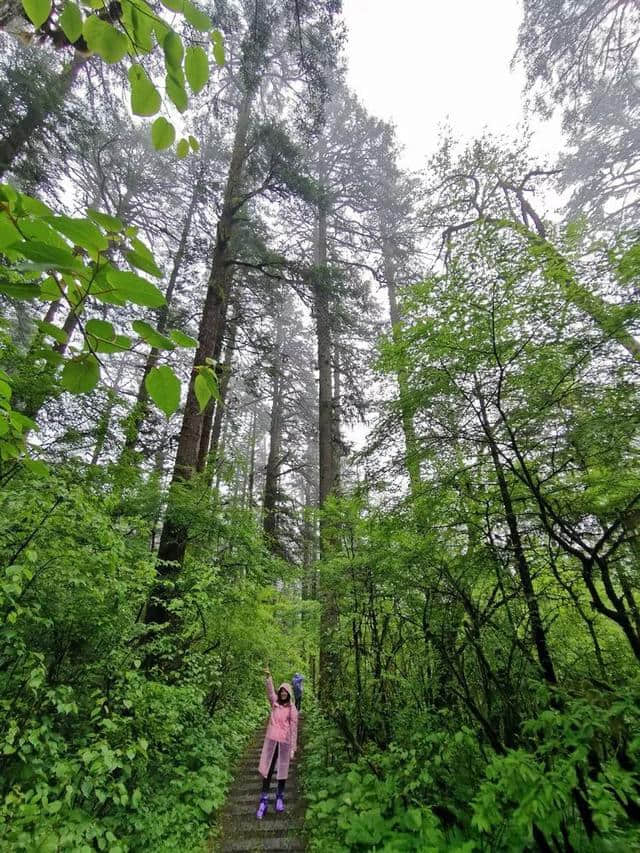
(51, 256)
(183, 340)
(202, 390)
(133, 288)
(111, 224)
(173, 52)
(163, 134)
(55, 332)
(196, 17)
(20, 290)
(141, 257)
(152, 336)
(8, 233)
(100, 329)
(37, 11)
(174, 87)
(104, 39)
(121, 343)
(164, 389)
(81, 374)
(196, 67)
(71, 22)
(82, 232)
(137, 19)
(145, 98)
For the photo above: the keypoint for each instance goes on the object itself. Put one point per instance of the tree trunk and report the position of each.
(328, 663)
(269, 509)
(213, 406)
(174, 534)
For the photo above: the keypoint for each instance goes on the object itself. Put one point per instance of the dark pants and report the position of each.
(298, 701)
(266, 782)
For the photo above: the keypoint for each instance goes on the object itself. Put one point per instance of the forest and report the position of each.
(268, 397)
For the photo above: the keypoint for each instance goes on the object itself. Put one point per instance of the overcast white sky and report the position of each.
(419, 63)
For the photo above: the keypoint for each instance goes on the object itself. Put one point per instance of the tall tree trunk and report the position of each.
(412, 458)
(140, 410)
(328, 664)
(336, 440)
(173, 540)
(269, 509)
(224, 385)
(213, 406)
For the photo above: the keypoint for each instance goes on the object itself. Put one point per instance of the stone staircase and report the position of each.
(240, 832)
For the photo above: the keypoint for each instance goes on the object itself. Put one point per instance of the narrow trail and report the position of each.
(240, 832)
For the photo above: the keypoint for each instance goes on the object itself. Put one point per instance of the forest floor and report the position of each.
(239, 831)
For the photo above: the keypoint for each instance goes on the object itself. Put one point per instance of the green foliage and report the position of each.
(164, 389)
(96, 753)
(50, 257)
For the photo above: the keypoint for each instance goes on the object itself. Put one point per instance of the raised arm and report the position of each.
(271, 693)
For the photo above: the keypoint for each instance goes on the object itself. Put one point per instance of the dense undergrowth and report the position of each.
(436, 787)
(97, 750)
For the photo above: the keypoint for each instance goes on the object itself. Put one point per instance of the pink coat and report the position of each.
(282, 731)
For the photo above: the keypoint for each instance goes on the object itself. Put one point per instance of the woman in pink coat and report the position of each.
(280, 743)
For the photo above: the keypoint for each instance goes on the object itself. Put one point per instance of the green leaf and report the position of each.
(193, 142)
(218, 47)
(133, 288)
(142, 258)
(203, 391)
(137, 17)
(163, 134)
(121, 343)
(105, 40)
(183, 340)
(49, 290)
(55, 332)
(173, 52)
(37, 11)
(182, 149)
(145, 98)
(81, 374)
(173, 5)
(196, 67)
(71, 22)
(82, 232)
(111, 224)
(164, 389)
(8, 233)
(36, 467)
(174, 87)
(196, 17)
(51, 256)
(19, 290)
(152, 336)
(100, 329)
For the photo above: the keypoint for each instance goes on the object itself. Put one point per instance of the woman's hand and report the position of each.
(267, 671)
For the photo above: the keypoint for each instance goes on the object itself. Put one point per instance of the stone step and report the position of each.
(257, 845)
(289, 798)
(249, 806)
(271, 824)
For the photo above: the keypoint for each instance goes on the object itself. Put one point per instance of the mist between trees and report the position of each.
(267, 398)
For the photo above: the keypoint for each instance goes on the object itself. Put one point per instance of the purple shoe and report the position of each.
(262, 808)
(280, 804)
